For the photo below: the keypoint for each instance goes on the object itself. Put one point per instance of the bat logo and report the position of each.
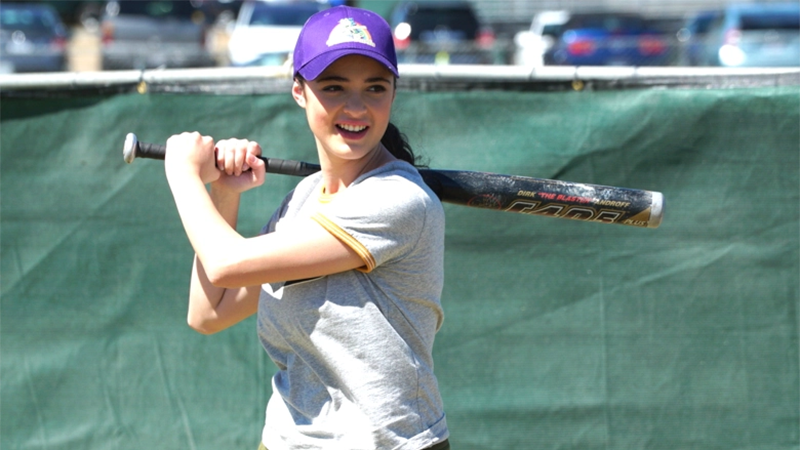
(568, 212)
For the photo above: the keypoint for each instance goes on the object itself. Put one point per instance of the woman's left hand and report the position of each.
(239, 165)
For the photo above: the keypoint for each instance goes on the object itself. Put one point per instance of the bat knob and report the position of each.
(129, 148)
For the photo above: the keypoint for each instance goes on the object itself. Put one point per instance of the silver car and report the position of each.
(32, 39)
(151, 34)
(266, 31)
(755, 35)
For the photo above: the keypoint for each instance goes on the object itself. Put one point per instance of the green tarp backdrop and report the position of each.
(558, 334)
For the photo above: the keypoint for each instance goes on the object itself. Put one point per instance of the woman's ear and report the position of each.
(298, 93)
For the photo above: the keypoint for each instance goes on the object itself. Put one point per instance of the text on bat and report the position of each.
(550, 196)
(564, 211)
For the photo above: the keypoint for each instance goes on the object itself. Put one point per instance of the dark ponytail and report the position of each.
(398, 145)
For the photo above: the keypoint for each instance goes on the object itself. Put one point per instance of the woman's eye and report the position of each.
(378, 88)
(332, 88)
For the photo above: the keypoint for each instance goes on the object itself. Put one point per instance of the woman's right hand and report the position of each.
(190, 154)
(238, 162)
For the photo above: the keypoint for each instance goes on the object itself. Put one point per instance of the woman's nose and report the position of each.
(354, 104)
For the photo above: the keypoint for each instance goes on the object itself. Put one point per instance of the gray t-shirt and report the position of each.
(353, 349)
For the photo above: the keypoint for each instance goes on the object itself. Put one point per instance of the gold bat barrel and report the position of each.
(544, 197)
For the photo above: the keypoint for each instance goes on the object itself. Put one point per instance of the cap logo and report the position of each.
(348, 30)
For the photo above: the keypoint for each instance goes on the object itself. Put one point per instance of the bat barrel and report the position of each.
(545, 197)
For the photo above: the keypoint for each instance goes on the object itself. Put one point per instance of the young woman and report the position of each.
(346, 277)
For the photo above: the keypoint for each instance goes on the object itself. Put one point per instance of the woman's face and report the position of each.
(348, 106)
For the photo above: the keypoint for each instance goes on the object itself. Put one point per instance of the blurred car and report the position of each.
(32, 38)
(532, 44)
(265, 32)
(84, 12)
(693, 35)
(440, 32)
(142, 34)
(755, 35)
(608, 39)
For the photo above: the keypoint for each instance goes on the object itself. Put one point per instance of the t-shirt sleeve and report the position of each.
(296, 196)
(277, 215)
(381, 218)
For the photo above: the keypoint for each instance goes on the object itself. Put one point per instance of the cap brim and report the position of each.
(316, 66)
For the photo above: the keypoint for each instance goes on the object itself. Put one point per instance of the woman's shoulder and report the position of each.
(308, 184)
(397, 179)
(400, 172)
(399, 189)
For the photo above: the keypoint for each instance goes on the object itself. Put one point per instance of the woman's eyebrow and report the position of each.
(378, 80)
(332, 78)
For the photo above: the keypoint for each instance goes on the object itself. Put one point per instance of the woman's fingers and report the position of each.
(232, 155)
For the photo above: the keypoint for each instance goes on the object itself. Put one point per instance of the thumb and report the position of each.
(257, 166)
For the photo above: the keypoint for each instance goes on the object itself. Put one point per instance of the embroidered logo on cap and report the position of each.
(348, 30)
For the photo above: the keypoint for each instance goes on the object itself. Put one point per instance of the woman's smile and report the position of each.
(349, 131)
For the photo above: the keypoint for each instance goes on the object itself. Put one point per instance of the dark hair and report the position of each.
(398, 145)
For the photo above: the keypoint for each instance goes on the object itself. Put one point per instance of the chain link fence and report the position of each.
(534, 33)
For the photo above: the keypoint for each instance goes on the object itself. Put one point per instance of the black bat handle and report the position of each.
(134, 149)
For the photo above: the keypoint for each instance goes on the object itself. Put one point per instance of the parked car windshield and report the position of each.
(702, 24)
(27, 19)
(770, 22)
(283, 15)
(552, 30)
(176, 8)
(454, 20)
(605, 22)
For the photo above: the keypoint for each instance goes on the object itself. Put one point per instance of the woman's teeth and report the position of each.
(352, 128)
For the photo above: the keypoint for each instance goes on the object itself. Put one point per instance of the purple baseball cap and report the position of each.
(340, 31)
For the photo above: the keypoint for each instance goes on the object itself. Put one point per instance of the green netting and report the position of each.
(558, 334)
